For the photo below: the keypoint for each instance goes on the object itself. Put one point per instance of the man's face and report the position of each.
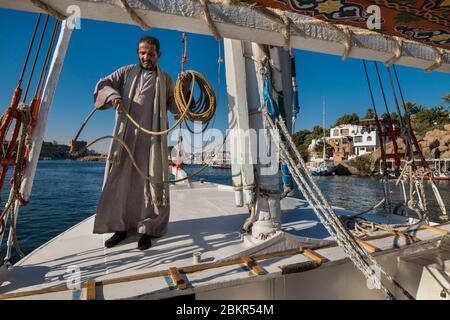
(148, 55)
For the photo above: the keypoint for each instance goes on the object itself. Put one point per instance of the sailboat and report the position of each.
(323, 166)
(246, 241)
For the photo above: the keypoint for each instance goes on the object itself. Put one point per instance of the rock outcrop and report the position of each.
(434, 145)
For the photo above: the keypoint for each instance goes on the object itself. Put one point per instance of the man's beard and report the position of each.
(147, 66)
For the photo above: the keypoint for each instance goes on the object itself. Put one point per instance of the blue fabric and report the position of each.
(286, 176)
(270, 104)
(295, 105)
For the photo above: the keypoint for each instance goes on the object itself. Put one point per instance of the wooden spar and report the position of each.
(47, 99)
(247, 25)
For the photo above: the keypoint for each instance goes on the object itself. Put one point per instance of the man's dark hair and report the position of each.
(150, 40)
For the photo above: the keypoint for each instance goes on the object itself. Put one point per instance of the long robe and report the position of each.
(125, 202)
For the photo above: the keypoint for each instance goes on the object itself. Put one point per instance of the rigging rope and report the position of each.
(377, 121)
(26, 117)
(358, 255)
(30, 46)
(412, 140)
(30, 79)
(313, 195)
(319, 204)
(391, 132)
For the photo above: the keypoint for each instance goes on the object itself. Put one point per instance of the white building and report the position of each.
(365, 139)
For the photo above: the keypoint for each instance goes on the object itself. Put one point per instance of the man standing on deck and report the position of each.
(128, 202)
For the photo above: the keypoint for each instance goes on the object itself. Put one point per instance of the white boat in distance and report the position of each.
(290, 249)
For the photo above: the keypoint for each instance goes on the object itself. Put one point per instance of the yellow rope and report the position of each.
(135, 165)
(201, 110)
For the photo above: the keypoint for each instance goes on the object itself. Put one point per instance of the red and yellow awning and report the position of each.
(425, 21)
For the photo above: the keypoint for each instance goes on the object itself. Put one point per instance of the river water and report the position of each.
(66, 192)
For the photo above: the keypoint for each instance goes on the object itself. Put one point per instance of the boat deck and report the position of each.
(203, 219)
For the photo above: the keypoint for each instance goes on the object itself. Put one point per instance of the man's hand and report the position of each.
(186, 79)
(117, 104)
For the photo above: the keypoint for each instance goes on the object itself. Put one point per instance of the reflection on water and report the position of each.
(66, 192)
(361, 193)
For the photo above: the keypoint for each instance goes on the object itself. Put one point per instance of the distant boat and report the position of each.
(221, 161)
(323, 167)
(439, 167)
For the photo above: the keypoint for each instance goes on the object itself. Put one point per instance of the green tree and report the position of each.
(430, 118)
(370, 114)
(328, 148)
(301, 139)
(347, 119)
(318, 131)
(394, 118)
(412, 107)
(300, 136)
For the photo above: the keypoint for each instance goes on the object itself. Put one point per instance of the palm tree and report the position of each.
(370, 114)
(412, 107)
(446, 99)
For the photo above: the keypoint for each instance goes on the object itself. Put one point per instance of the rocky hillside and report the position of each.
(436, 143)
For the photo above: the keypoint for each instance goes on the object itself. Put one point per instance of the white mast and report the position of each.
(323, 127)
(249, 142)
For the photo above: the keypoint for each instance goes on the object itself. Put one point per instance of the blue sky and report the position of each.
(99, 48)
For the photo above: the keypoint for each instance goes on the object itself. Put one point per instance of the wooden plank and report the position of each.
(90, 292)
(369, 247)
(207, 266)
(22, 294)
(435, 229)
(137, 277)
(314, 255)
(404, 235)
(252, 265)
(177, 278)
(279, 254)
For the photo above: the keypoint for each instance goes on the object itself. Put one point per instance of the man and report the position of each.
(129, 202)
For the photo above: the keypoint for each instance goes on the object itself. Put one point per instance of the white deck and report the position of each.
(203, 218)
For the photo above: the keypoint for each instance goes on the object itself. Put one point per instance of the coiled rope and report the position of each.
(203, 109)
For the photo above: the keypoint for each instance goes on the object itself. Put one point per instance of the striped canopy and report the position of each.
(425, 21)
